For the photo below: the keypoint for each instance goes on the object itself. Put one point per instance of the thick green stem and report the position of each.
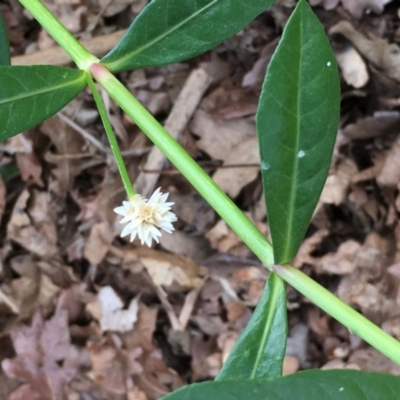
(53, 26)
(111, 138)
(339, 310)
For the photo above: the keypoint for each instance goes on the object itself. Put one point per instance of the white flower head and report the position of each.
(145, 217)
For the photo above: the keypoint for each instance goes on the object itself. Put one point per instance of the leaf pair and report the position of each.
(166, 31)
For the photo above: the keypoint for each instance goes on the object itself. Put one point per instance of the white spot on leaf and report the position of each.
(301, 154)
(328, 64)
(265, 166)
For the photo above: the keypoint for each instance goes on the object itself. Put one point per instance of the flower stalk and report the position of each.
(111, 138)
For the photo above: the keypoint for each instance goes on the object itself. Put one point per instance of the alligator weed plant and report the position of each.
(297, 121)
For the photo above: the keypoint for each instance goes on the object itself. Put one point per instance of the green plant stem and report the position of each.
(339, 310)
(111, 138)
(54, 27)
(239, 223)
(219, 201)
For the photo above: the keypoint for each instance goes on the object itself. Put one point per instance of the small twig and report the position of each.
(175, 323)
(83, 132)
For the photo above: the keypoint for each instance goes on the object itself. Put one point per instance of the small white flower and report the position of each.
(145, 217)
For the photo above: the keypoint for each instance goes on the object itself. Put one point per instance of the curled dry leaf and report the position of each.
(381, 55)
(353, 67)
(174, 272)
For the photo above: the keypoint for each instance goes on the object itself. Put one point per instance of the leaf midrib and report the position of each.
(275, 289)
(115, 64)
(292, 198)
(38, 92)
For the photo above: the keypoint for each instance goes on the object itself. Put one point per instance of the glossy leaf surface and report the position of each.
(260, 349)
(308, 385)
(297, 121)
(168, 31)
(29, 95)
(4, 43)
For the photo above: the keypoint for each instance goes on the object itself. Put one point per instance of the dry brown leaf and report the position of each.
(111, 8)
(309, 244)
(358, 7)
(174, 272)
(226, 341)
(30, 167)
(376, 254)
(381, 55)
(113, 316)
(327, 4)
(389, 175)
(341, 262)
(290, 365)
(380, 124)
(233, 142)
(98, 243)
(45, 359)
(68, 143)
(113, 366)
(34, 227)
(353, 67)
(338, 183)
(372, 360)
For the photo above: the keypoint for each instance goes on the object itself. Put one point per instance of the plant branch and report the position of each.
(239, 223)
(57, 31)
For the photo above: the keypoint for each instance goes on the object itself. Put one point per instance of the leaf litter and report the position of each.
(85, 313)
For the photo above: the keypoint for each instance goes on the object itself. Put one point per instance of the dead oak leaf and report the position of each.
(45, 359)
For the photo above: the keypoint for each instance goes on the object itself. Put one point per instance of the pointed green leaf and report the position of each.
(29, 95)
(4, 44)
(168, 31)
(308, 385)
(260, 349)
(297, 121)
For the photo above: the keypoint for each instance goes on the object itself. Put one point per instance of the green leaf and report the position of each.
(297, 121)
(4, 44)
(260, 349)
(29, 95)
(168, 31)
(308, 385)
